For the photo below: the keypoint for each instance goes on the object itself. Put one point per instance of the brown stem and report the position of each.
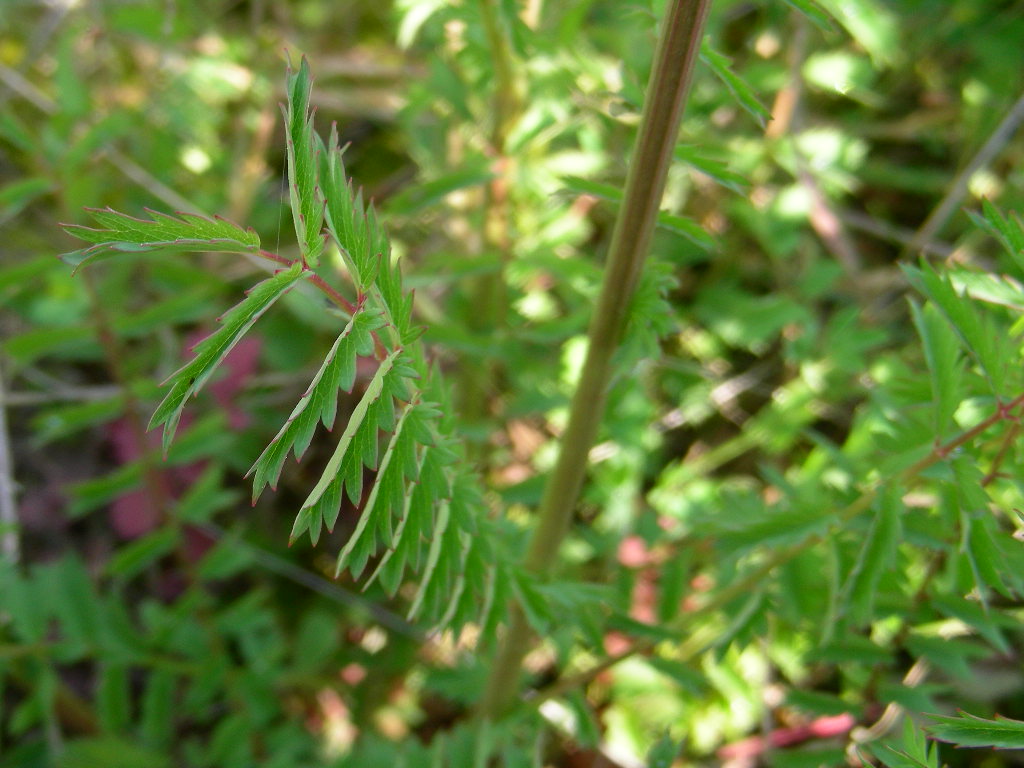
(676, 54)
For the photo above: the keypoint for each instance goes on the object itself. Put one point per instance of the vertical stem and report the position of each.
(675, 56)
(10, 548)
(489, 299)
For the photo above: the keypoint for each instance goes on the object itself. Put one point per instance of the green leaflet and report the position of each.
(876, 556)
(462, 574)
(1007, 229)
(967, 730)
(443, 547)
(390, 492)
(356, 449)
(980, 340)
(417, 516)
(306, 203)
(363, 243)
(352, 226)
(320, 401)
(122, 233)
(942, 354)
(209, 353)
(720, 65)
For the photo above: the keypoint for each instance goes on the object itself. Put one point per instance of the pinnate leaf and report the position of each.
(306, 202)
(209, 352)
(357, 447)
(121, 233)
(980, 339)
(319, 402)
(1008, 230)
(353, 228)
(970, 731)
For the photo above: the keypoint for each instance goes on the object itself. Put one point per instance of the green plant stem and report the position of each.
(488, 308)
(676, 53)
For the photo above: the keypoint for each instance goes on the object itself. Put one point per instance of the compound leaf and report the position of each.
(356, 449)
(319, 402)
(209, 352)
(980, 339)
(121, 233)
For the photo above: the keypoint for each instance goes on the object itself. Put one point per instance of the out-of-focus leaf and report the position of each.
(113, 700)
(981, 342)
(157, 721)
(415, 198)
(662, 753)
(971, 613)
(18, 195)
(109, 752)
(813, 11)
(1008, 229)
(967, 730)
(952, 655)
(678, 224)
(745, 96)
(941, 353)
(871, 24)
(135, 557)
(716, 169)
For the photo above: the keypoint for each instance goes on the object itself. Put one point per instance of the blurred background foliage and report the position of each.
(149, 617)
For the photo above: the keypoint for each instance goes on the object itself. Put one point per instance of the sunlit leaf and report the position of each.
(307, 206)
(212, 350)
(122, 233)
(319, 402)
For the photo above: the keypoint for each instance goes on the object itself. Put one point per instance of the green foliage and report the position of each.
(212, 350)
(800, 509)
(307, 207)
(125, 234)
(319, 402)
(970, 731)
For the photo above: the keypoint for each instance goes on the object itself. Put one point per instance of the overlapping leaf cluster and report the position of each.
(421, 508)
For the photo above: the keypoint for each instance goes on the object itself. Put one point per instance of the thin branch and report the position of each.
(1004, 449)
(958, 189)
(823, 219)
(891, 233)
